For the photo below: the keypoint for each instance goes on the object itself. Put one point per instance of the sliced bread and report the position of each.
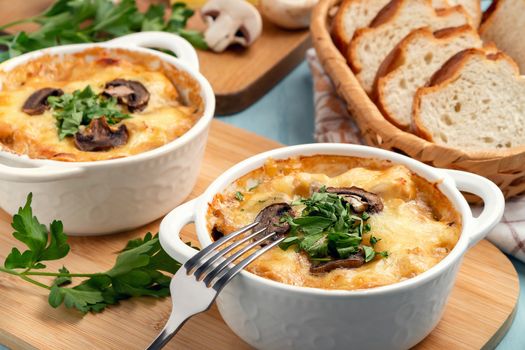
(353, 15)
(356, 14)
(504, 24)
(473, 8)
(411, 65)
(475, 101)
(370, 46)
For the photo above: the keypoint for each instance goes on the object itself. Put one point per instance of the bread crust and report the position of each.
(396, 58)
(338, 34)
(337, 31)
(487, 15)
(448, 73)
(479, 17)
(389, 13)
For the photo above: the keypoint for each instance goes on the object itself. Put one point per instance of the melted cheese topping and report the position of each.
(163, 120)
(418, 225)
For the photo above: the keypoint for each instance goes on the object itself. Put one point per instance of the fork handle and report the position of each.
(174, 324)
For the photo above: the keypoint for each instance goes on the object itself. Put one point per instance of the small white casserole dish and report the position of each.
(106, 196)
(271, 315)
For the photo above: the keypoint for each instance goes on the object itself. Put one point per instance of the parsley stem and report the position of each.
(20, 21)
(25, 278)
(59, 274)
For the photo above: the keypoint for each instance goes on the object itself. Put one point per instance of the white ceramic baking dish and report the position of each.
(272, 315)
(108, 196)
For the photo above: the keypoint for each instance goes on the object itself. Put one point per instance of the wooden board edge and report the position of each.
(12, 342)
(231, 103)
(500, 333)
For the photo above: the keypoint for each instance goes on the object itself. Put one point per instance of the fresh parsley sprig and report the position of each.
(79, 108)
(140, 269)
(82, 21)
(327, 229)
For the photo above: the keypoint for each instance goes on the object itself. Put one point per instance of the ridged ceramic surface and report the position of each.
(106, 200)
(115, 195)
(279, 319)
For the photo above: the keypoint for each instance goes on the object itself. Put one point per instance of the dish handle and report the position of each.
(38, 174)
(161, 40)
(169, 231)
(493, 202)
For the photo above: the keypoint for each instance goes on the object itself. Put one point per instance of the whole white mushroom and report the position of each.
(290, 14)
(230, 22)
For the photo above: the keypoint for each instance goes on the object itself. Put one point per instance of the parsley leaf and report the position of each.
(81, 21)
(17, 260)
(34, 235)
(64, 279)
(369, 253)
(139, 269)
(327, 229)
(58, 247)
(74, 298)
(374, 240)
(239, 196)
(79, 108)
(28, 230)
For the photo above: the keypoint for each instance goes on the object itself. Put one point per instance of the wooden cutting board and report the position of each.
(478, 314)
(239, 77)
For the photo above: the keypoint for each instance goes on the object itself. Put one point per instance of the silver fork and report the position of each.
(198, 282)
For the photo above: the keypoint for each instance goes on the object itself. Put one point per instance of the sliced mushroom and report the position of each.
(359, 199)
(216, 234)
(128, 92)
(37, 102)
(99, 136)
(353, 261)
(270, 219)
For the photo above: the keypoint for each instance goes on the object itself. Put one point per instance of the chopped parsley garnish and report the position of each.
(374, 240)
(327, 229)
(239, 196)
(79, 108)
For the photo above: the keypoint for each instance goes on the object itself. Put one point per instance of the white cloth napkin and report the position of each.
(334, 124)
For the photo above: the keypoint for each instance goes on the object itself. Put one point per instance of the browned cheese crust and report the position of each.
(174, 106)
(418, 225)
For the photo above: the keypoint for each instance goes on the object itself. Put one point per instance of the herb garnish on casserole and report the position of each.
(94, 105)
(350, 223)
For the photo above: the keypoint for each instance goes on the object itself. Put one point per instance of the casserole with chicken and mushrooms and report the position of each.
(93, 105)
(351, 223)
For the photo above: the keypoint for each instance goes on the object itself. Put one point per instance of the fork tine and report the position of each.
(216, 271)
(190, 264)
(206, 265)
(227, 276)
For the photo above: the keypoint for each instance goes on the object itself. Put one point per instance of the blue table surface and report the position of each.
(286, 114)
